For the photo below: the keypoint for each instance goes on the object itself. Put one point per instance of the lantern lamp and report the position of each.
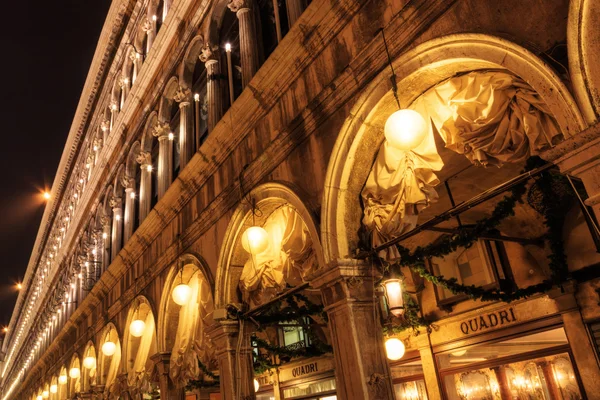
(89, 362)
(181, 294)
(255, 240)
(62, 379)
(394, 349)
(137, 328)
(256, 385)
(54, 388)
(393, 295)
(74, 373)
(405, 129)
(109, 348)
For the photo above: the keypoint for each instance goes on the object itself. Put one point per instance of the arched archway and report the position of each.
(418, 70)
(63, 379)
(74, 376)
(183, 326)
(109, 359)
(89, 368)
(269, 198)
(140, 342)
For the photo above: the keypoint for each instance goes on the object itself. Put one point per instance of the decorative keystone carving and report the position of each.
(181, 94)
(237, 5)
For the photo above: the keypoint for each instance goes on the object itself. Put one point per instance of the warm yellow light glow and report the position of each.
(5, 329)
(459, 353)
(62, 379)
(45, 394)
(256, 385)
(181, 294)
(171, 136)
(405, 129)
(196, 97)
(118, 217)
(255, 240)
(54, 388)
(104, 235)
(394, 349)
(74, 373)
(19, 286)
(154, 18)
(109, 348)
(132, 195)
(47, 195)
(137, 328)
(89, 362)
(39, 398)
(393, 293)
(228, 47)
(149, 168)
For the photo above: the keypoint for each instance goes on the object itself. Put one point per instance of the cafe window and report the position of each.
(408, 378)
(483, 264)
(535, 366)
(316, 390)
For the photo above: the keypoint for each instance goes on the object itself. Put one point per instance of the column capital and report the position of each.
(209, 53)
(105, 125)
(144, 158)
(345, 279)
(115, 202)
(239, 5)
(147, 25)
(126, 181)
(161, 130)
(182, 94)
(161, 361)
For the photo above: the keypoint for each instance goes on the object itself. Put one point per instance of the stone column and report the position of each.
(106, 241)
(295, 8)
(149, 27)
(124, 85)
(362, 371)
(117, 226)
(503, 383)
(167, 388)
(144, 158)
(114, 111)
(165, 157)
(575, 328)
(186, 126)
(248, 38)
(105, 127)
(214, 91)
(129, 215)
(553, 388)
(431, 376)
(224, 336)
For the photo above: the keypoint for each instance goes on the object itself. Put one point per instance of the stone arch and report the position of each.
(216, 19)
(417, 70)
(268, 197)
(583, 47)
(118, 188)
(190, 264)
(191, 57)
(62, 383)
(131, 165)
(141, 308)
(74, 384)
(147, 136)
(109, 366)
(166, 100)
(88, 374)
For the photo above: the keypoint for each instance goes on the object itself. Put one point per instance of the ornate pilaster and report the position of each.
(362, 371)
(116, 204)
(167, 388)
(165, 157)
(186, 125)
(248, 39)
(130, 199)
(214, 92)
(144, 158)
(225, 335)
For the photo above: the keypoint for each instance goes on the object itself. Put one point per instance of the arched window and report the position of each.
(229, 37)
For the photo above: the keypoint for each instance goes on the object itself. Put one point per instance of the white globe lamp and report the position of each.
(74, 373)
(89, 362)
(255, 240)
(54, 388)
(137, 328)
(182, 294)
(405, 129)
(109, 348)
(62, 379)
(394, 349)
(45, 394)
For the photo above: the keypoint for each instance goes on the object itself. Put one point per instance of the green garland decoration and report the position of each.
(410, 319)
(202, 382)
(553, 214)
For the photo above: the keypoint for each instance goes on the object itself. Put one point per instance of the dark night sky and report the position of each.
(46, 50)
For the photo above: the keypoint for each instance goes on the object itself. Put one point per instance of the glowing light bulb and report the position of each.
(47, 195)
(74, 373)
(196, 97)
(182, 294)
(255, 240)
(54, 388)
(154, 18)
(256, 385)
(228, 47)
(104, 235)
(132, 195)
(394, 349)
(62, 379)
(171, 136)
(89, 362)
(405, 129)
(393, 294)
(118, 217)
(149, 168)
(137, 328)
(19, 286)
(109, 348)
(45, 394)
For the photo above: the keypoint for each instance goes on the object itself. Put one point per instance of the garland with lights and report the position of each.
(201, 383)
(289, 309)
(552, 204)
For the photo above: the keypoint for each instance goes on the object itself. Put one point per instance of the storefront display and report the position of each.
(537, 366)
